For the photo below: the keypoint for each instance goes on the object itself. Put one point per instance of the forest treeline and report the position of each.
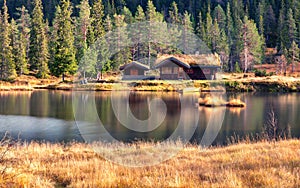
(51, 37)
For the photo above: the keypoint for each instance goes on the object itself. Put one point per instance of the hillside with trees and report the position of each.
(51, 37)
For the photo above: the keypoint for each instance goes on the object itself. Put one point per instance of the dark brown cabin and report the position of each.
(134, 71)
(186, 67)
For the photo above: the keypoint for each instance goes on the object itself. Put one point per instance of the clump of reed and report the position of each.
(236, 103)
(214, 101)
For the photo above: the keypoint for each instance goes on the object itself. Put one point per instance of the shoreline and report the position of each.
(254, 164)
(237, 85)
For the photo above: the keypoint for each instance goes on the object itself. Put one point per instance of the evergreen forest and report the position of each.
(50, 37)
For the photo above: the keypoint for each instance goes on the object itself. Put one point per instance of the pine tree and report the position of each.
(120, 42)
(64, 61)
(38, 53)
(270, 27)
(215, 36)
(151, 16)
(187, 39)
(260, 18)
(128, 15)
(174, 14)
(24, 28)
(83, 25)
(16, 44)
(201, 28)
(251, 51)
(223, 49)
(294, 55)
(108, 26)
(282, 32)
(229, 30)
(291, 28)
(173, 29)
(7, 67)
(97, 15)
(219, 15)
(209, 25)
(138, 35)
(296, 11)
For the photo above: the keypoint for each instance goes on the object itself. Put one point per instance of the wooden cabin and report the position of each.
(188, 67)
(134, 71)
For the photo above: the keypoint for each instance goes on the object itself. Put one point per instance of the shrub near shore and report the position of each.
(262, 164)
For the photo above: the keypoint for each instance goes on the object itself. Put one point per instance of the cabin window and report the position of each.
(206, 71)
(134, 72)
(167, 70)
(175, 70)
(190, 71)
(180, 72)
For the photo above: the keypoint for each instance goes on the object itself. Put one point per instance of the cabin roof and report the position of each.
(189, 60)
(135, 64)
(173, 59)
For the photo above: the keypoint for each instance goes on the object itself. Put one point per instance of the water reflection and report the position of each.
(48, 115)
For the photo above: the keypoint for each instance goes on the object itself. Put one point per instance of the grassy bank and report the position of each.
(262, 164)
(229, 82)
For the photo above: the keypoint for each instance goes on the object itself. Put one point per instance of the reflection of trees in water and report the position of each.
(15, 102)
(138, 105)
(37, 103)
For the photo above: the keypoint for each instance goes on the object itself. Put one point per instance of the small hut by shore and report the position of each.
(134, 71)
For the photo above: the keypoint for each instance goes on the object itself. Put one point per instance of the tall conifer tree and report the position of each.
(251, 47)
(38, 53)
(24, 28)
(64, 61)
(97, 16)
(7, 66)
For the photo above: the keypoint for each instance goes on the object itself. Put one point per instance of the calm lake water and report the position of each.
(49, 115)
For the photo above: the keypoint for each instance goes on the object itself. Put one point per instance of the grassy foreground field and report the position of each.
(263, 164)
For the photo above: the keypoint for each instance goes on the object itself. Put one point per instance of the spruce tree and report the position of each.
(17, 52)
(64, 61)
(209, 25)
(174, 14)
(219, 15)
(139, 35)
(120, 42)
(108, 25)
(173, 31)
(24, 27)
(270, 31)
(281, 29)
(83, 27)
(97, 16)
(201, 27)
(223, 49)
(151, 16)
(291, 28)
(38, 53)
(187, 39)
(7, 67)
(215, 36)
(251, 48)
(229, 30)
(128, 18)
(294, 55)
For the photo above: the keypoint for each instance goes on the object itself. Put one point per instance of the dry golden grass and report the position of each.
(261, 164)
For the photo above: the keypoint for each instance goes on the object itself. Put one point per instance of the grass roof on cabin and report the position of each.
(201, 59)
(134, 63)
